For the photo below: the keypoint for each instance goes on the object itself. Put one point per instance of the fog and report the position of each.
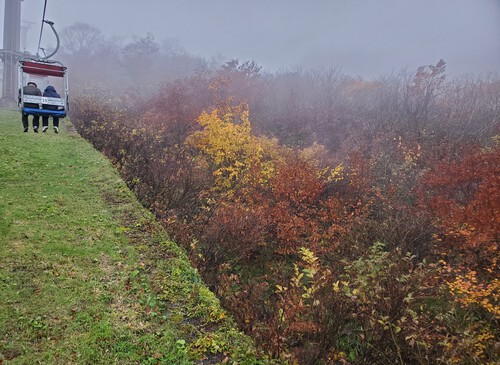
(362, 38)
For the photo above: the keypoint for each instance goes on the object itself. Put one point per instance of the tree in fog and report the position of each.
(138, 59)
(175, 62)
(420, 94)
(81, 39)
(86, 52)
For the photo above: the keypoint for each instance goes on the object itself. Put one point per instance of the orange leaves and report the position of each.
(299, 214)
(465, 197)
(297, 184)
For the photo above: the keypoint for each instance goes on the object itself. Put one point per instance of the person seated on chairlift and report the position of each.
(50, 92)
(30, 89)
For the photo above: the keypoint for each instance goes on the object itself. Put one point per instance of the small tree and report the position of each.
(420, 94)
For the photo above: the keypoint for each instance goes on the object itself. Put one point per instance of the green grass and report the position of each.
(87, 276)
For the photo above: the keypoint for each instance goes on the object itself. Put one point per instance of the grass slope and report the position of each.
(87, 276)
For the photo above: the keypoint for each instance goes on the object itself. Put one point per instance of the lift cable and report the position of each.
(41, 29)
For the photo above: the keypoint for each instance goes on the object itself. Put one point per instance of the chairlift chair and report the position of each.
(46, 71)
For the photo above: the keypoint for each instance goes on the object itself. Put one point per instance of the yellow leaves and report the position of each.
(317, 155)
(468, 291)
(479, 344)
(385, 322)
(335, 174)
(308, 256)
(295, 281)
(411, 154)
(221, 138)
(271, 157)
(280, 289)
(336, 287)
(228, 143)
(305, 282)
(338, 173)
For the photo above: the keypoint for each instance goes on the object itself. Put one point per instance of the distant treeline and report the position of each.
(138, 63)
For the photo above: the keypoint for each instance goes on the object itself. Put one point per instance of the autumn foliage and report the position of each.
(340, 222)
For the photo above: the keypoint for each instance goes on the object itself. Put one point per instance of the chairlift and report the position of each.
(44, 72)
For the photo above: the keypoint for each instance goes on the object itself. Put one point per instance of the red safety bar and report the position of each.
(43, 69)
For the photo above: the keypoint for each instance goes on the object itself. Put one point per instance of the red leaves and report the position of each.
(465, 197)
(297, 211)
(233, 232)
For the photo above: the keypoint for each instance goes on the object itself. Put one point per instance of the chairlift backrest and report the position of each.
(42, 69)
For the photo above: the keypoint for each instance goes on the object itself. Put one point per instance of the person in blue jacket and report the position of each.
(51, 92)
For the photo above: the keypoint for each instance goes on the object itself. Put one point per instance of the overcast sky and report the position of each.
(362, 37)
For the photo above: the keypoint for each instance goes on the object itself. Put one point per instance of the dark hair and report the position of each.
(32, 83)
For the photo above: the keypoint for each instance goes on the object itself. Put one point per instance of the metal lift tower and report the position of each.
(10, 53)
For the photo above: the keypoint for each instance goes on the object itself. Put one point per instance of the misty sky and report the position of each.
(361, 37)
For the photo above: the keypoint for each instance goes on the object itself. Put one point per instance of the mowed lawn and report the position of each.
(87, 276)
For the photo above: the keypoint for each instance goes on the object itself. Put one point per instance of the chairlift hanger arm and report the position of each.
(57, 38)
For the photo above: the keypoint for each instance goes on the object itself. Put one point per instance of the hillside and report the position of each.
(87, 276)
(341, 221)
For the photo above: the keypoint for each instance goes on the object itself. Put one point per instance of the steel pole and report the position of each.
(11, 45)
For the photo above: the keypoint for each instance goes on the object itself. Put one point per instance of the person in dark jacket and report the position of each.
(51, 92)
(30, 89)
